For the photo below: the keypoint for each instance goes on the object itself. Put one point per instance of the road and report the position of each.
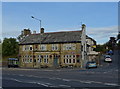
(103, 76)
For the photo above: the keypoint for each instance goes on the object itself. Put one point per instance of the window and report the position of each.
(43, 47)
(69, 60)
(78, 61)
(73, 56)
(23, 60)
(39, 56)
(54, 46)
(45, 60)
(30, 48)
(81, 48)
(73, 46)
(69, 47)
(30, 60)
(40, 60)
(64, 60)
(73, 60)
(26, 47)
(27, 60)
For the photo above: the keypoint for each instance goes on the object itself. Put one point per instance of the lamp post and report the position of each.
(37, 19)
(40, 29)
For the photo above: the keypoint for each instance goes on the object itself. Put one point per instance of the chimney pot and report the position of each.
(34, 32)
(42, 30)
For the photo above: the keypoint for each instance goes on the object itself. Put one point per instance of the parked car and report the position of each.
(110, 52)
(108, 58)
(91, 64)
(13, 62)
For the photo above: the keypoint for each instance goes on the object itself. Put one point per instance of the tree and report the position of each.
(9, 47)
(101, 48)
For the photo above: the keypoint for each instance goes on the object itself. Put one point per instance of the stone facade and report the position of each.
(50, 55)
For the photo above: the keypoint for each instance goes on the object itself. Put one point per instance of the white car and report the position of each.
(108, 58)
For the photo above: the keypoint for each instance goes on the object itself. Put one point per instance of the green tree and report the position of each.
(10, 47)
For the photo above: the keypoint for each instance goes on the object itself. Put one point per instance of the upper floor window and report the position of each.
(27, 47)
(69, 47)
(54, 46)
(30, 48)
(43, 47)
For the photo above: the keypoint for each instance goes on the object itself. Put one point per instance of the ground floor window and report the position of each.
(45, 60)
(74, 61)
(40, 60)
(30, 60)
(69, 61)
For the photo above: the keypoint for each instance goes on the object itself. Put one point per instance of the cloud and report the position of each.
(102, 34)
(10, 34)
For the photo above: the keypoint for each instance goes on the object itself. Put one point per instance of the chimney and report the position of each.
(34, 32)
(42, 30)
(83, 26)
(26, 32)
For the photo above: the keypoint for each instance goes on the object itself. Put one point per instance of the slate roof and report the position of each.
(52, 37)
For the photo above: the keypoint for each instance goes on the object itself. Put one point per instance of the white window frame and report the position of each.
(43, 47)
(39, 60)
(54, 46)
(30, 47)
(46, 60)
(73, 59)
(30, 60)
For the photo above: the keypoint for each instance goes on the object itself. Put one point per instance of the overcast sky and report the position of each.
(101, 18)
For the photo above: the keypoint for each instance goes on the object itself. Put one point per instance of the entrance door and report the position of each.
(55, 62)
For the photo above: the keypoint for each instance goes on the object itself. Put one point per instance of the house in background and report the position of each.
(91, 54)
(54, 49)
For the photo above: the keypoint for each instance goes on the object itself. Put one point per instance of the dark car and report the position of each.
(13, 62)
(91, 64)
(110, 52)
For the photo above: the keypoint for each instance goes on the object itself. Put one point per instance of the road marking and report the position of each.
(66, 80)
(112, 84)
(43, 84)
(64, 86)
(15, 80)
(21, 75)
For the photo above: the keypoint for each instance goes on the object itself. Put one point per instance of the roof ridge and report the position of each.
(56, 32)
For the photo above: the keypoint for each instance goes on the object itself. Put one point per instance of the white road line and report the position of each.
(68, 80)
(112, 84)
(43, 84)
(15, 80)
(64, 86)
(21, 75)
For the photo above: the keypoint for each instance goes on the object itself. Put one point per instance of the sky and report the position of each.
(101, 18)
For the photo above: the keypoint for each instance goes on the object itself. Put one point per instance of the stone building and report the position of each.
(54, 49)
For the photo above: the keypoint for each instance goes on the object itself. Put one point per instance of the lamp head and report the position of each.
(32, 17)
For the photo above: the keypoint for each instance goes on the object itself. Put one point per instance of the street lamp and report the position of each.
(37, 19)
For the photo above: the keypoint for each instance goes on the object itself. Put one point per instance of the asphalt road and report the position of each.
(105, 75)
